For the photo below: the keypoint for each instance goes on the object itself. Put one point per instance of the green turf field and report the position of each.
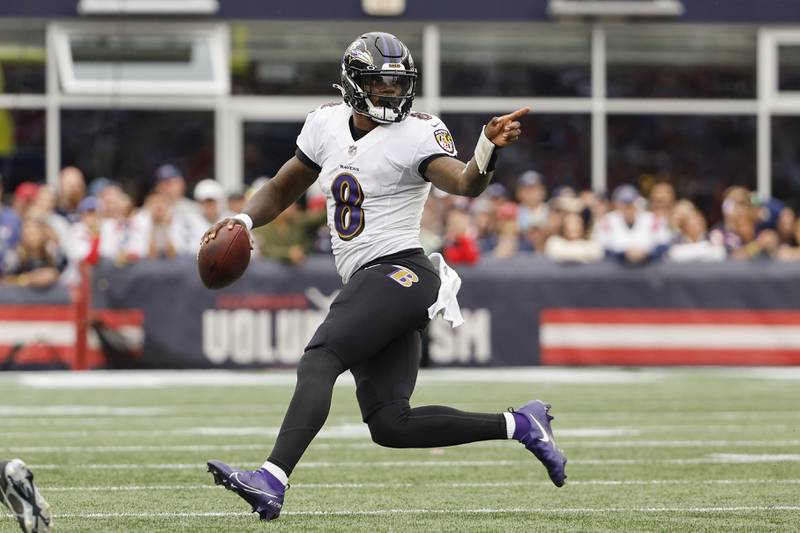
(705, 450)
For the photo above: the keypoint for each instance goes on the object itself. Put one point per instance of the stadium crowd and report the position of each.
(46, 233)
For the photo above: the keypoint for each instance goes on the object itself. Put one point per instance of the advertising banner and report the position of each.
(522, 311)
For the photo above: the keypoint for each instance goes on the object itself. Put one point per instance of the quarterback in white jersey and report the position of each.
(373, 184)
(375, 160)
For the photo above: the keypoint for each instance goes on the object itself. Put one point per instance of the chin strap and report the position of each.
(485, 153)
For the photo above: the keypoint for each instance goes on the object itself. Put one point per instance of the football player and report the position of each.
(20, 495)
(375, 159)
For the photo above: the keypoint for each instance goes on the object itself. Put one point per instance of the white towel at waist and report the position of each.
(446, 303)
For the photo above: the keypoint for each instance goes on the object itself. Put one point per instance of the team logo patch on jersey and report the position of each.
(445, 140)
(404, 276)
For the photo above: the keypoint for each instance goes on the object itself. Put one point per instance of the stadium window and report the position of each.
(681, 61)
(148, 7)
(789, 68)
(274, 60)
(516, 61)
(700, 155)
(127, 145)
(267, 146)
(557, 146)
(22, 57)
(127, 58)
(22, 150)
(786, 159)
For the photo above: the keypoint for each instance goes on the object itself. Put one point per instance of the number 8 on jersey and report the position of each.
(348, 217)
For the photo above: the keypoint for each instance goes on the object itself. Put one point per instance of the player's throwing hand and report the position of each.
(211, 233)
(505, 130)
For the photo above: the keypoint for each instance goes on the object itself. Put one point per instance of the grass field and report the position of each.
(649, 450)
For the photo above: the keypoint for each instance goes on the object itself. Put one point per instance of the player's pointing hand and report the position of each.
(506, 129)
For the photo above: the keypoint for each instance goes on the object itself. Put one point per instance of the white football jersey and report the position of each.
(375, 194)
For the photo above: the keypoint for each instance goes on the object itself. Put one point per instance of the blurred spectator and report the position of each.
(185, 220)
(83, 241)
(71, 190)
(785, 226)
(693, 243)
(682, 210)
(460, 246)
(662, 199)
(170, 184)
(509, 241)
(36, 261)
(534, 213)
(24, 196)
(211, 197)
(44, 207)
(124, 238)
(484, 218)
(98, 184)
(791, 252)
(570, 244)
(496, 193)
(595, 206)
(110, 195)
(533, 210)
(236, 201)
(10, 226)
(155, 221)
(290, 237)
(742, 240)
(735, 203)
(630, 233)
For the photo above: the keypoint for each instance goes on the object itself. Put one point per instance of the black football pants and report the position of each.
(373, 330)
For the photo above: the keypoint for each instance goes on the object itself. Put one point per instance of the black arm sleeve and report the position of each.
(306, 160)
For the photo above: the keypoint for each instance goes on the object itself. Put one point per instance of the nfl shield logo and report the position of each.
(445, 140)
(351, 151)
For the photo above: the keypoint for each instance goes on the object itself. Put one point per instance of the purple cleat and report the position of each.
(539, 439)
(259, 488)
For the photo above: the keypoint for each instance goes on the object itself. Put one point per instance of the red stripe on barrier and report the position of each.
(671, 316)
(657, 357)
(117, 318)
(37, 313)
(44, 354)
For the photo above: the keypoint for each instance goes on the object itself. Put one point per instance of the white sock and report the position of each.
(276, 471)
(511, 425)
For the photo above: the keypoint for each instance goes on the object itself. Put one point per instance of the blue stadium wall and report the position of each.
(696, 11)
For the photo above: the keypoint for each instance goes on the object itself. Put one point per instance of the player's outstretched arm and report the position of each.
(451, 175)
(291, 181)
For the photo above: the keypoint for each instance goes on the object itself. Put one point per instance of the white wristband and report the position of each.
(246, 220)
(483, 152)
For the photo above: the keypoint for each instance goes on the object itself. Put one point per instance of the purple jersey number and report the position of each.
(348, 217)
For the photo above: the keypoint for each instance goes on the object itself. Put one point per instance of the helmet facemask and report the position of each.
(385, 97)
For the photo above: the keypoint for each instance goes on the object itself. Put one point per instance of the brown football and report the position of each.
(223, 259)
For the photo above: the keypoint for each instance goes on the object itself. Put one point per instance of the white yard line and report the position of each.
(80, 410)
(221, 378)
(716, 458)
(380, 512)
(499, 484)
(366, 445)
